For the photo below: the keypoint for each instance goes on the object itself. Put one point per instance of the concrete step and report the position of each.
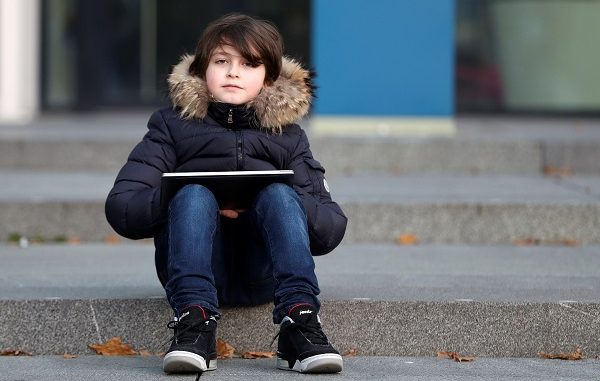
(384, 300)
(435, 208)
(370, 154)
(147, 368)
(480, 145)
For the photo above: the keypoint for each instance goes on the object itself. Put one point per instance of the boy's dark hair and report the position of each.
(258, 41)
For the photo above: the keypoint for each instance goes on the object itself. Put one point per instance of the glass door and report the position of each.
(118, 53)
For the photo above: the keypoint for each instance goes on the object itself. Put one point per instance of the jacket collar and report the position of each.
(232, 116)
(286, 101)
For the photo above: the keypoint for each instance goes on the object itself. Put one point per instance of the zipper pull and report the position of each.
(230, 116)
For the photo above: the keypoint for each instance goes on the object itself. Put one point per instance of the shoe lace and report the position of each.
(187, 332)
(312, 332)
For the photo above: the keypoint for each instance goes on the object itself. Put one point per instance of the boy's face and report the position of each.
(230, 78)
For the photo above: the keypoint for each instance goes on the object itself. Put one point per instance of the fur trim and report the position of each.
(285, 101)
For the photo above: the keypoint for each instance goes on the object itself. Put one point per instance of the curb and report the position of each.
(374, 328)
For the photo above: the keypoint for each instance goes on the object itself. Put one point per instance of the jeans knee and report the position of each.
(279, 200)
(194, 195)
(277, 192)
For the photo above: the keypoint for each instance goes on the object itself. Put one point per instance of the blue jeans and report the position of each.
(263, 255)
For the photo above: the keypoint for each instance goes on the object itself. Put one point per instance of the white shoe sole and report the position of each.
(186, 362)
(325, 363)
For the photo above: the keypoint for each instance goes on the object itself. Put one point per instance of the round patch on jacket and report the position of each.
(326, 185)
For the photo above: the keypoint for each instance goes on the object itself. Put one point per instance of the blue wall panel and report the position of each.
(384, 57)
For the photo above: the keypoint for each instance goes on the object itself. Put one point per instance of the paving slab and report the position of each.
(415, 300)
(355, 368)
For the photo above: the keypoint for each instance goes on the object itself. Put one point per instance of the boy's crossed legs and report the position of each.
(196, 268)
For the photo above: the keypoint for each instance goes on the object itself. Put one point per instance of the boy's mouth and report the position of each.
(231, 87)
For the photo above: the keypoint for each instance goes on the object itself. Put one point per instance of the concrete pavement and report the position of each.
(488, 301)
(355, 368)
(430, 273)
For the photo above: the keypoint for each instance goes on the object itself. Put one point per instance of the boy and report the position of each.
(235, 104)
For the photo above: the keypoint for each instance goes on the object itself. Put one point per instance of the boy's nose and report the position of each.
(233, 71)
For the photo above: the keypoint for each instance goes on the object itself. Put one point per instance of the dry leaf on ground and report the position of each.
(74, 240)
(558, 171)
(112, 239)
(568, 242)
(455, 356)
(144, 352)
(224, 350)
(258, 355)
(407, 239)
(577, 354)
(69, 356)
(15, 352)
(350, 352)
(527, 242)
(537, 242)
(113, 347)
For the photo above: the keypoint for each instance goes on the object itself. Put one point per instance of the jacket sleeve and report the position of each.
(326, 220)
(133, 205)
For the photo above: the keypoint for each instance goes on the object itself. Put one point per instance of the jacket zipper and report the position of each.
(238, 142)
(239, 150)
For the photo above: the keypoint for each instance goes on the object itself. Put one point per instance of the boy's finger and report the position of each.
(229, 213)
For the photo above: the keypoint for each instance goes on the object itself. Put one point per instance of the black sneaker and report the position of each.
(302, 345)
(194, 344)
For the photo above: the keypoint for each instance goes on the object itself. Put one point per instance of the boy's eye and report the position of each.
(220, 61)
(250, 64)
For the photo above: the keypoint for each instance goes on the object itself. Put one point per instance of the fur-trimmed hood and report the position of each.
(285, 101)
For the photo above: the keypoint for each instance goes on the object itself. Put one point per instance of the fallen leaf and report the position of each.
(15, 352)
(113, 347)
(527, 242)
(144, 352)
(455, 356)
(407, 239)
(445, 355)
(537, 242)
(577, 354)
(563, 171)
(224, 350)
(258, 355)
(69, 356)
(112, 239)
(74, 241)
(350, 352)
(569, 242)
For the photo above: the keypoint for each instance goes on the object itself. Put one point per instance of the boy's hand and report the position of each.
(231, 213)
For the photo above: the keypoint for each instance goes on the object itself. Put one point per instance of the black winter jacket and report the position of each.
(195, 135)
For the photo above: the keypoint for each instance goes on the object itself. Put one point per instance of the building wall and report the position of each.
(385, 57)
